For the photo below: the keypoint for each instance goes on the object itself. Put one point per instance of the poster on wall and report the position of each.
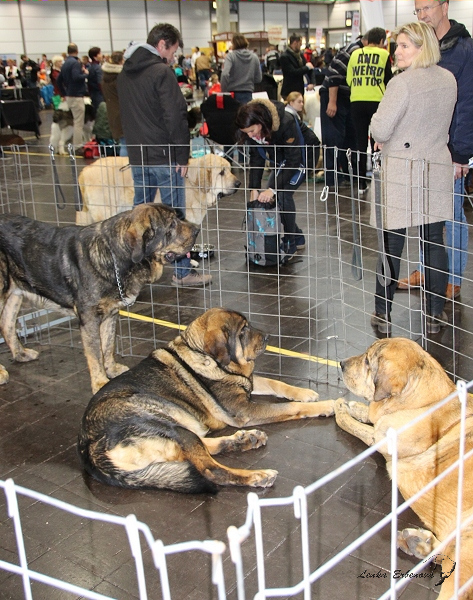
(355, 24)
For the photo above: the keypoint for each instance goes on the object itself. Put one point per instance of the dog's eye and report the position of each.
(222, 173)
(367, 362)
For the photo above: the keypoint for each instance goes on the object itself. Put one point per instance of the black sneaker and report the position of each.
(300, 242)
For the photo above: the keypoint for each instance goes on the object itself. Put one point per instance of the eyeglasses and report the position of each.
(426, 9)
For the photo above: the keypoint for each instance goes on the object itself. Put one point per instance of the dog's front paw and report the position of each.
(305, 395)
(358, 411)
(4, 377)
(26, 355)
(341, 411)
(341, 406)
(116, 369)
(264, 478)
(416, 542)
(249, 439)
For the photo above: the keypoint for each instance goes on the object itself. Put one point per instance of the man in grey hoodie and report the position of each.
(241, 70)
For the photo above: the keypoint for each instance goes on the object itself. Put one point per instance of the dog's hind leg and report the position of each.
(242, 440)
(8, 327)
(165, 455)
(217, 473)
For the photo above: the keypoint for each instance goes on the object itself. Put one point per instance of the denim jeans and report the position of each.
(147, 181)
(243, 97)
(123, 150)
(456, 237)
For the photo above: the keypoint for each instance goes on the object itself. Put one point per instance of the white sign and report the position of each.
(275, 34)
(355, 25)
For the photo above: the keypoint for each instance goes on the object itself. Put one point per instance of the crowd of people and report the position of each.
(422, 112)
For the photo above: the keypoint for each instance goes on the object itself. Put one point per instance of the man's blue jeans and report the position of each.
(456, 237)
(147, 181)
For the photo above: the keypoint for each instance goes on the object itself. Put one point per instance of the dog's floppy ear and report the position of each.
(216, 344)
(140, 231)
(388, 380)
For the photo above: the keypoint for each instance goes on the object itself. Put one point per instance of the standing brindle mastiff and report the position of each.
(80, 270)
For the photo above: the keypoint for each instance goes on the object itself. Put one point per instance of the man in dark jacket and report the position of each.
(335, 118)
(94, 78)
(456, 49)
(154, 119)
(294, 67)
(72, 83)
(30, 71)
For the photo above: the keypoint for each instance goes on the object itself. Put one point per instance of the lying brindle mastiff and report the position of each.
(401, 381)
(147, 427)
(91, 272)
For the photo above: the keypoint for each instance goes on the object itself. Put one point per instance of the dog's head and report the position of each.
(213, 175)
(154, 232)
(226, 336)
(394, 369)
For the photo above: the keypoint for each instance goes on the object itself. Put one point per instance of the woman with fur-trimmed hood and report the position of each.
(272, 134)
(110, 71)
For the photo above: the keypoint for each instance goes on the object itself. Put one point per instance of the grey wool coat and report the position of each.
(412, 123)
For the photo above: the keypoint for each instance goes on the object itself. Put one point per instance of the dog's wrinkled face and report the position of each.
(388, 368)
(155, 233)
(226, 336)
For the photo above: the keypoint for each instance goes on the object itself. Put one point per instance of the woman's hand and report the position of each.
(378, 147)
(266, 195)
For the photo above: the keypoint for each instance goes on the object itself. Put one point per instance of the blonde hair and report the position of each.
(292, 97)
(214, 78)
(422, 36)
(58, 59)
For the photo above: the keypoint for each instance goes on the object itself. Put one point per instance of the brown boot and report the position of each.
(453, 291)
(415, 280)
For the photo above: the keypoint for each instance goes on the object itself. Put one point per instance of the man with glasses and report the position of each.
(153, 113)
(456, 48)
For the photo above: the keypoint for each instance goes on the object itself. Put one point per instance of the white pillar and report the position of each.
(223, 15)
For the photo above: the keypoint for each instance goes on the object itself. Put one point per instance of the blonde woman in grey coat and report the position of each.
(411, 127)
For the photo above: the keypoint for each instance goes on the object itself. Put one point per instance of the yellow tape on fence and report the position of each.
(274, 349)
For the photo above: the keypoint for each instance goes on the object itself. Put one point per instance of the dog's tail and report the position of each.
(177, 476)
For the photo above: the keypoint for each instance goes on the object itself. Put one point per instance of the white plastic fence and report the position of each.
(299, 498)
(139, 533)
